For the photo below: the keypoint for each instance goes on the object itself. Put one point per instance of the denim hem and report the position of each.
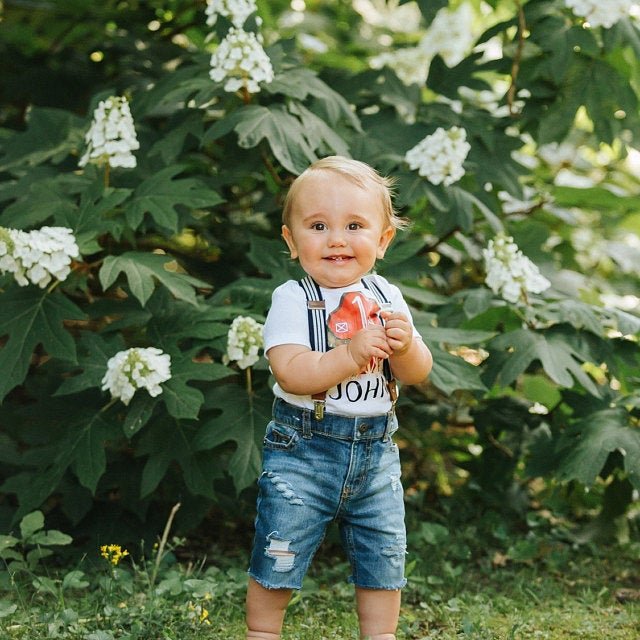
(268, 586)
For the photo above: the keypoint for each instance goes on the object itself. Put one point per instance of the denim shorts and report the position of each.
(315, 471)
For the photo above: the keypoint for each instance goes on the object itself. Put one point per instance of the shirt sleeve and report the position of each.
(287, 321)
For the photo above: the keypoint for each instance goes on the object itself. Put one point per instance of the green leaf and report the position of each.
(143, 269)
(50, 133)
(75, 580)
(40, 198)
(559, 359)
(85, 447)
(160, 194)
(51, 537)
(139, 412)
(171, 440)
(92, 218)
(477, 301)
(94, 352)
(318, 133)
(588, 444)
(454, 336)
(7, 608)
(243, 421)
(31, 317)
(283, 132)
(31, 523)
(7, 542)
(181, 400)
(174, 321)
(451, 373)
(271, 257)
(301, 82)
(556, 122)
(421, 295)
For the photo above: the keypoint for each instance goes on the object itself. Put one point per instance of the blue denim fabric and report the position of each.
(340, 468)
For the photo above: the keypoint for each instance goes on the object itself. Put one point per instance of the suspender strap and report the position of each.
(317, 317)
(370, 284)
(384, 303)
(317, 314)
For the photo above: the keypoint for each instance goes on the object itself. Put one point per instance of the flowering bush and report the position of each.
(244, 341)
(37, 256)
(511, 274)
(111, 139)
(241, 60)
(439, 157)
(136, 368)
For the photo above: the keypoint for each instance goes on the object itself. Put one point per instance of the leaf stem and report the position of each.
(515, 66)
(249, 382)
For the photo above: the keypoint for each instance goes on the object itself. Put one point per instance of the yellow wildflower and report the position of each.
(113, 553)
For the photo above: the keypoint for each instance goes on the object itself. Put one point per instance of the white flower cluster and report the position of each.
(439, 156)
(241, 59)
(112, 135)
(410, 64)
(601, 13)
(450, 35)
(236, 10)
(37, 256)
(244, 341)
(134, 369)
(510, 273)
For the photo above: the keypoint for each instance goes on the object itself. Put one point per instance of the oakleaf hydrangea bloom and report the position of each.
(450, 35)
(241, 59)
(510, 273)
(134, 369)
(244, 341)
(439, 157)
(410, 64)
(112, 136)
(601, 13)
(236, 10)
(37, 256)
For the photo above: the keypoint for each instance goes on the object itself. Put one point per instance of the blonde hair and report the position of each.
(357, 172)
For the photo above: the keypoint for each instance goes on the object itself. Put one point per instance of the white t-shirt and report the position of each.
(347, 310)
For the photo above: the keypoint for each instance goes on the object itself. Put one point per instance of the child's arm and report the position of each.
(301, 371)
(410, 359)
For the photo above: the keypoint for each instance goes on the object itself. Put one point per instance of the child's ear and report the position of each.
(288, 238)
(385, 240)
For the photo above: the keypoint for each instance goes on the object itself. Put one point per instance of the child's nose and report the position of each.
(336, 238)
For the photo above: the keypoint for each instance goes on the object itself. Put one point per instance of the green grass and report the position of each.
(559, 596)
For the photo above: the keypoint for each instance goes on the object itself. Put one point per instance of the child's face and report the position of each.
(338, 229)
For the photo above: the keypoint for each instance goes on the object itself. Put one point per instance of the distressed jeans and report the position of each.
(315, 471)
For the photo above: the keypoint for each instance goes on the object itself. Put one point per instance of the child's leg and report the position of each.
(265, 611)
(378, 613)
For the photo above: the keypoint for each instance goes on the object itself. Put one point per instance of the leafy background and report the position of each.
(528, 406)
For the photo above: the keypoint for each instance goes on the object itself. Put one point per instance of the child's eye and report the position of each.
(318, 226)
(354, 226)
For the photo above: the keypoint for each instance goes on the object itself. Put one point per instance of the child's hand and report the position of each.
(369, 343)
(399, 332)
